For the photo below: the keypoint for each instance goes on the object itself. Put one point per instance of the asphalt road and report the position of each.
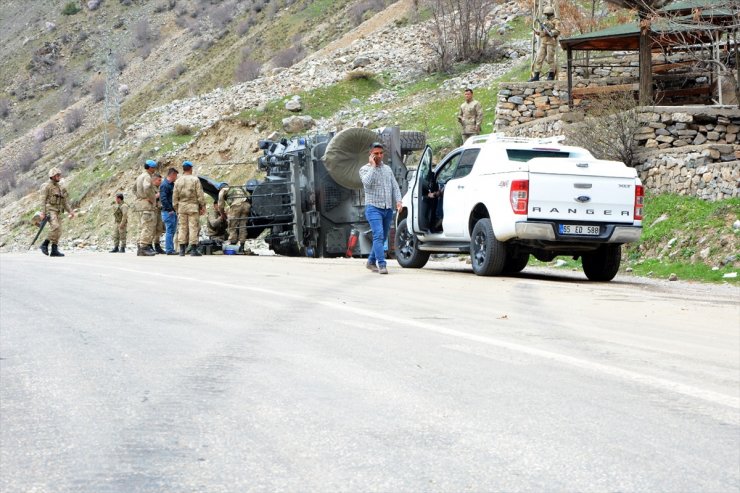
(232, 374)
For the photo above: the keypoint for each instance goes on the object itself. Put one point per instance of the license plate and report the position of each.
(579, 229)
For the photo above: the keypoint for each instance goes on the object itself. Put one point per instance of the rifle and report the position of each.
(545, 28)
(41, 228)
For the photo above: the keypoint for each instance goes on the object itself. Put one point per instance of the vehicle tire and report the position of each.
(412, 140)
(487, 254)
(603, 264)
(516, 264)
(407, 251)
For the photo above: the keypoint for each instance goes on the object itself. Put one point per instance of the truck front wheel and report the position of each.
(602, 264)
(407, 248)
(487, 254)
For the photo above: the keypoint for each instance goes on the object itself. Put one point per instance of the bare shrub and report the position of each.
(143, 34)
(176, 71)
(97, 89)
(243, 28)
(360, 10)
(248, 69)
(359, 74)
(181, 129)
(8, 179)
(120, 61)
(29, 156)
(24, 187)
(610, 127)
(89, 64)
(73, 119)
(461, 30)
(221, 16)
(44, 133)
(4, 108)
(68, 165)
(289, 56)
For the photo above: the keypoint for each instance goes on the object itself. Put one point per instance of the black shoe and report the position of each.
(535, 77)
(115, 249)
(194, 251)
(158, 248)
(551, 76)
(45, 247)
(171, 253)
(122, 250)
(182, 250)
(145, 251)
(55, 251)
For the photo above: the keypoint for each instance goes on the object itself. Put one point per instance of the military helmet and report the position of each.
(548, 11)
(54, 172)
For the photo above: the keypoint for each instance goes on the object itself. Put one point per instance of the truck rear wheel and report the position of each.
(487, 254)
(515, 264)
(603, 264)
(407, 248)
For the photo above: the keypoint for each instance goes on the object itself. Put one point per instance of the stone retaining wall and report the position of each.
(685, 150)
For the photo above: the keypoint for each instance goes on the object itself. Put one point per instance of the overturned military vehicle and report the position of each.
(311, 200)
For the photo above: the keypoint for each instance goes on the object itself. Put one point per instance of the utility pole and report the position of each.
(112, 105)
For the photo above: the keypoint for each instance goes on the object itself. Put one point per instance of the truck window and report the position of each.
(524, 155)
(466, 163)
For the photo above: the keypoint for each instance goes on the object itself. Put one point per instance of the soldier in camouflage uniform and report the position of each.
(159, 228)
(548, 34)
(216, 224)
(190, 203)
(233, 201)
(470, 116)
(54, 200)
(146, 198)
(120, 214)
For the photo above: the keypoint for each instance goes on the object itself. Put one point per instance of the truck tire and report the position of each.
(412, 140)
(603, 264)
(407, 251)
(514, 265)
(487, 254)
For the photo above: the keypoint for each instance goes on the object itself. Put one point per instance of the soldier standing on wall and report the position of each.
(120, 214)
(470, 116)
(548, 34)
(54, 200)
(190, 203)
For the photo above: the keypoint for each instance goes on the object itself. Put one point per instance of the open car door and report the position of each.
(423, 174)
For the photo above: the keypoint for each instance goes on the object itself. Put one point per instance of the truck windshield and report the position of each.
(525, 155)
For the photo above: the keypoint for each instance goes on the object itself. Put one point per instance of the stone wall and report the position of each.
(685, 150)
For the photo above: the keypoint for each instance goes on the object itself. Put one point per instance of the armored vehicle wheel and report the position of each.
(487, 254)
(407, 252)
(603, 264)
(412, 140)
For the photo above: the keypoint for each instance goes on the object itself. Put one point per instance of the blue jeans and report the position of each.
(380, 223)
(170, 226)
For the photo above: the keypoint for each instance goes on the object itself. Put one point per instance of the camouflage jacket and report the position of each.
(54, 198)
(187, 195)
(470, 117)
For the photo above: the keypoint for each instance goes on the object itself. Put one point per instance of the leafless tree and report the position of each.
(461, 30)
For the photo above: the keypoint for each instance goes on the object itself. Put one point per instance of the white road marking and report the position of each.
(393, 320)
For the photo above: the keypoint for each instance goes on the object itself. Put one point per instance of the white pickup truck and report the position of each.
(503, 199)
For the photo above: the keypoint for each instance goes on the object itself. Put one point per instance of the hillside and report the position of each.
(99, 91)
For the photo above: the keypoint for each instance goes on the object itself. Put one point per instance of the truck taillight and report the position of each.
(639, 201)
(519, 196)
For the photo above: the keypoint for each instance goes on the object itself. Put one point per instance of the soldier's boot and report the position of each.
(45, 247)
(115, 249)
(535, 77)
(551, 76)
(145, 251)
(158, 248)
(55, 251)
(182, 250)
(123, 249)
(241, 249)
(194, 251)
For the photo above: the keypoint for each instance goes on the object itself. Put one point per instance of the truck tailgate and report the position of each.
(581, 190)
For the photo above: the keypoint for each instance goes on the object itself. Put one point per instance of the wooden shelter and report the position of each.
(687, 22)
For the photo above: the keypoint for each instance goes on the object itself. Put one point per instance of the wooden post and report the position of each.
(570, 77)
(646, 63)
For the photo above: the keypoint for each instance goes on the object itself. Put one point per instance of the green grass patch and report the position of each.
(318, 103)
(520, 29)
(87, 179)
(659, 269)
(171, 141)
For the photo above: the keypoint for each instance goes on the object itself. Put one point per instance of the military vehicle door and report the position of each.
(420, 218)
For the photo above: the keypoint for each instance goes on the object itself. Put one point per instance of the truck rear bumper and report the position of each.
(547, 231)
